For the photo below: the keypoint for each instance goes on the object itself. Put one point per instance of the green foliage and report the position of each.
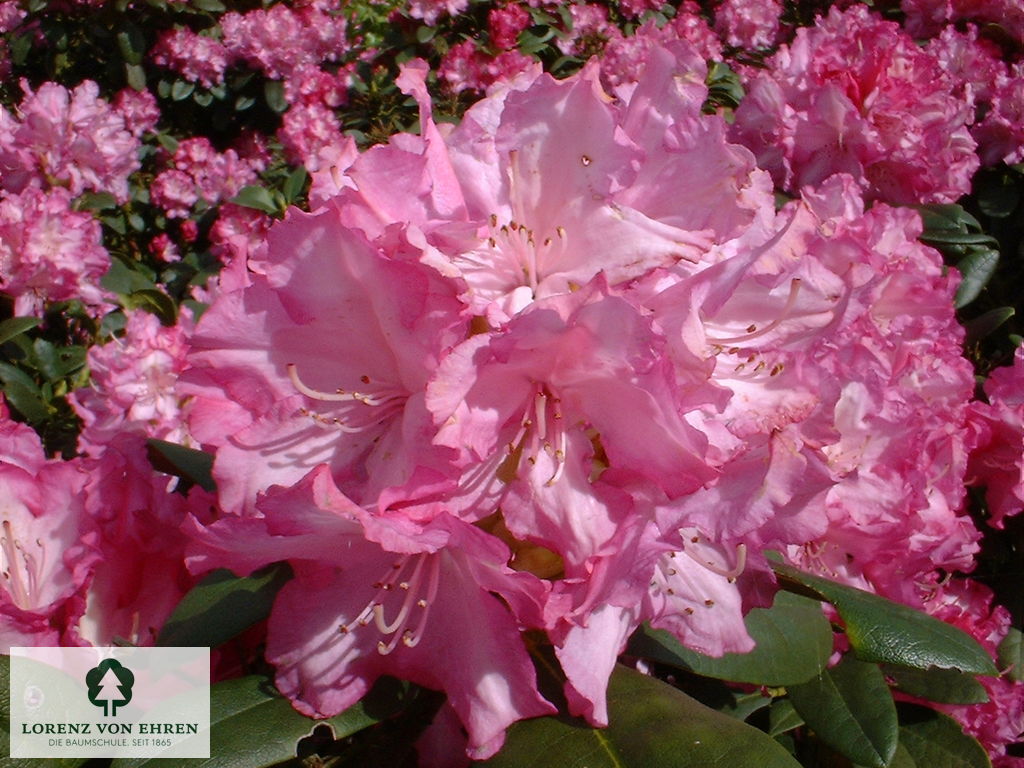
(883, 631)
(687, 734)
(793, 639)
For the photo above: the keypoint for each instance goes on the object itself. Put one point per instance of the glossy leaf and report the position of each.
(188, 463)
(982, 325)
(934, 740)
(253, 196)
(222, 606)
(652, 725)
(273, 92)
(850, 708)
(794, 641)
(977, 269)
(783, 717)
(252, 725)
(883, 631)
(16, 326)
(5, 729)
(947, 686)
(1011, 654)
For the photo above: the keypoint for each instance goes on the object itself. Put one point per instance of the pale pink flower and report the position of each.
(47, 544)
(355, 407)
(926, 18)
(420, 602)
(49, 252)
(132, 383)
(139, 109)
(748, 23)
(72, 139)
(431, 10)
(141, 576)
(306, 131)
(1000, 134)
(282, 40)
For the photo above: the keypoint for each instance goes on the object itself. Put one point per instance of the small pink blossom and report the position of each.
(504, 25)
(49, 252)
(132, 383)
(856, 95)
(47, 545)
(139, 109)
(282, 40)
(997, 462)
(748, 23)
(445, 629)
(198, 58)
(65, 138)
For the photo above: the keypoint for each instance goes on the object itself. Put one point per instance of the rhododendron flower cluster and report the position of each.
(570, 352)
(542, 368)
(855, 94)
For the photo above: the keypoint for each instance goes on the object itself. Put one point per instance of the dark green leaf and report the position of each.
(794, 641)
(947, 686)
(5, 729)
(294, 184)
(25, 399)
(223, 606)
(202, 98)
(243, 103)
(256, 197)
(934, 740)
(883, 631)
(132, 44)
(783, 717)
(998, 199)
(1011, 654)
(949, 216)
(123, 280)
(95, 201)
(651, 725)
(939, 239)
(425, 34)
(57, 362)
(273, 92)
(850, 708)
(744, 705)
(977, 269)
(251, 724)
(212, 6)
(16, 326)
(982, 325)
(168, 142)
(155, 301)
(188, 463)
(182, 89)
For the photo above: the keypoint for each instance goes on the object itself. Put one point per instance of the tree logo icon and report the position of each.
(110, 685)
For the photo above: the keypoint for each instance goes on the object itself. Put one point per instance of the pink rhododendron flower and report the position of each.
(431, 10)
(926, 18)
(49, 252)
(392, 597)
(856, 95)
(141, 576)
(1000, 134)
(997, 462)
(357, 407)
(197, 171)
(572, 341)
(198, 58)
(47, 543)
(748, 23)
(281, 40)
(72, 139)
(139, 109)
(999, 721)
(132, 383)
